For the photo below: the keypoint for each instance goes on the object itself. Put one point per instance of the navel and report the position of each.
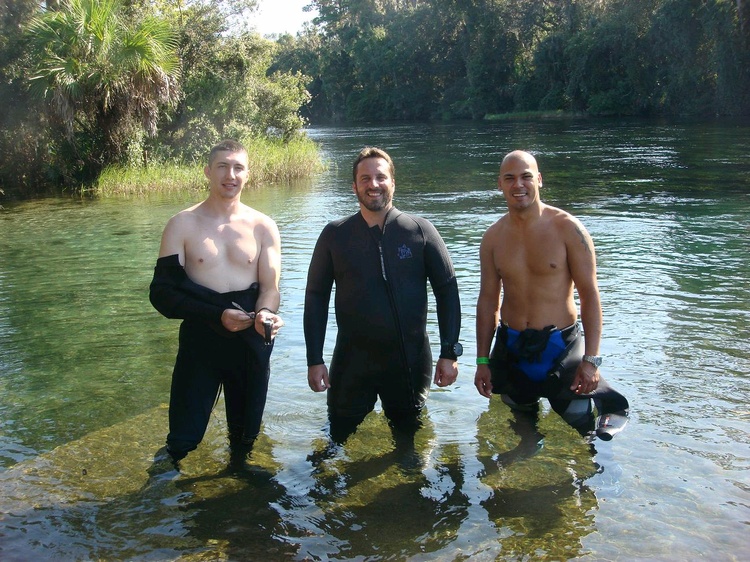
(200, 260)
(553, 265)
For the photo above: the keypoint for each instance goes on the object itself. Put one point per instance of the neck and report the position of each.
(224, 207)
(527, 214)
(374, 218)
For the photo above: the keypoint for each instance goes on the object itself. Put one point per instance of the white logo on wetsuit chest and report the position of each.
(404, 252)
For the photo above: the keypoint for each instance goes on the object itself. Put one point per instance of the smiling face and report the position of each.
(520, 180)
(227, 173)
(374, 184)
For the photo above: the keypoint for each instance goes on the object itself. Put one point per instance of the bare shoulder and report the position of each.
(563, 221)
(571, 230)
(184, 219)
(255, 217)
(495, 229)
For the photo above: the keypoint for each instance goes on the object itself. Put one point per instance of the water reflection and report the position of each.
(536, 468)
(373, 499)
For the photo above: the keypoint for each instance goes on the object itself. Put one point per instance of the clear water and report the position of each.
(85, 364)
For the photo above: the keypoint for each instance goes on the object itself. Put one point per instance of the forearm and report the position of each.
(591, 319)
(448, 305)
(315, 320)
(268, 299)
(488, 316)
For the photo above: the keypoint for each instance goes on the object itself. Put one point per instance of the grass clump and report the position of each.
(270, 161)
(530, 115)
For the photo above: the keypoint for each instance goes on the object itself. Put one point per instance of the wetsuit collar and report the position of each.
(390, 215)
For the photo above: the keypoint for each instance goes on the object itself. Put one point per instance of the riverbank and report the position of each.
(533, 115)
(269, 161)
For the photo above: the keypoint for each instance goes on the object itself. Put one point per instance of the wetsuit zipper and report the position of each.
(394, 307)
(382, 261)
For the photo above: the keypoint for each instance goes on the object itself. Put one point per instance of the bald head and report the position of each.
(520, 180)
(522, 156)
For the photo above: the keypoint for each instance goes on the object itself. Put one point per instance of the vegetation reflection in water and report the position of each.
(86, 362)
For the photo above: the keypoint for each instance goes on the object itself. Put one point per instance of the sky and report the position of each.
(281, 16)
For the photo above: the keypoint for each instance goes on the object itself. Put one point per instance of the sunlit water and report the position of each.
(85, 364)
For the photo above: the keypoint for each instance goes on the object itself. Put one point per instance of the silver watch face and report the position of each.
(458, 349)
(595, 360)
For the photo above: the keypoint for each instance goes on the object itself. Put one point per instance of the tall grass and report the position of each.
(270, 161)
(540, 114)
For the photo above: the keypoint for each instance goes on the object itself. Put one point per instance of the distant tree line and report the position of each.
(86, 84)
(374, 60)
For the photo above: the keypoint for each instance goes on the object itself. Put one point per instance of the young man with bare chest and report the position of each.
(218, 270)
(535, 256)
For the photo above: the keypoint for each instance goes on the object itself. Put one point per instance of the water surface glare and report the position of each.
(85, 366)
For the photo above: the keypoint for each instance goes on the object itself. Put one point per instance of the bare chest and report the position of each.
(533, 257)
(222, 256)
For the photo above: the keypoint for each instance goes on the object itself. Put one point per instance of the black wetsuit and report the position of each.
(208, 357)
(513, 364)
(382, 348)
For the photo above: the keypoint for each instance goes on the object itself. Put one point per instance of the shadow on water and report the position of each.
(109, 496)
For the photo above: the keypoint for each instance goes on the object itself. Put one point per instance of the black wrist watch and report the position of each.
(451, 351)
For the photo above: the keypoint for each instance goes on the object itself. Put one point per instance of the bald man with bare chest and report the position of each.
(534, 257)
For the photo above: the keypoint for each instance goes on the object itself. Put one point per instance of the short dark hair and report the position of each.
(227, 145)
(372, 152)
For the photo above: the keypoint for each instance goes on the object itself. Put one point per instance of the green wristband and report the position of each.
(483, 360)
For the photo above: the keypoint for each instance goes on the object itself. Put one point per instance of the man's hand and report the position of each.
(317, 377)
(236, 320)
(446, 372)
(586, 379)
(483, 381)
(276, 322)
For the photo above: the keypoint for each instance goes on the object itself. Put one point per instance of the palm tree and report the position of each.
(107, 78)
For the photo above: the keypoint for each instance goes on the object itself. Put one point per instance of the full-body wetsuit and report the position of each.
(382, 348)
(542, 363)
(208, 357)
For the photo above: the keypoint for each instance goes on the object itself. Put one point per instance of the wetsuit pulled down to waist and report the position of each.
(537, 362)
(209, 358)
(532, 364)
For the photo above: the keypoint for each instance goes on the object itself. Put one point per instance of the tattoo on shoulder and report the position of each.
(584, 239)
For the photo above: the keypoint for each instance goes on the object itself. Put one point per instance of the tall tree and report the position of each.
(103, 75)
(22, 143)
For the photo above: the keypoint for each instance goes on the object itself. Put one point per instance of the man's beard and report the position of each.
(375, 205)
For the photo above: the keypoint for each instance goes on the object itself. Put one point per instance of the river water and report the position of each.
(85, 365)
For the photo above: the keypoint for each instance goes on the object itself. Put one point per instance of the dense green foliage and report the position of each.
(91, 84)
(425, 59)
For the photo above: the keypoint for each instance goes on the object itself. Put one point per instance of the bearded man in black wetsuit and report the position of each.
(380, 260)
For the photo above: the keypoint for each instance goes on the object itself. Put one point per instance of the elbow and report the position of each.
(159, 302)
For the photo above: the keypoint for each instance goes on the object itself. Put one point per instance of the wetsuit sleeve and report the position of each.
(318, 297)
(170, 295)
(442, 278)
